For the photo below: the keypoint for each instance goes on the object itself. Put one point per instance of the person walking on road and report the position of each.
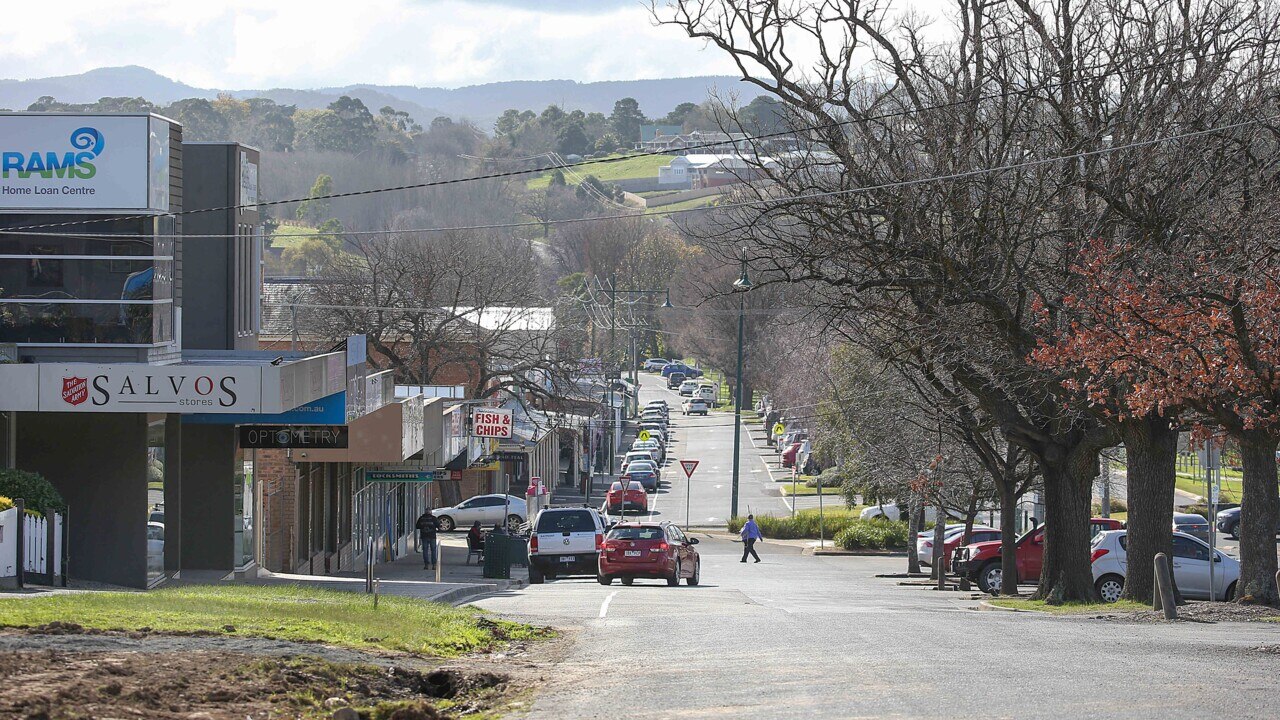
(428, 526)
(750, 534)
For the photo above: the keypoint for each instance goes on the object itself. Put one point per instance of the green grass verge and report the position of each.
(1189, 482)
(686, 204)
(644, 166)
(1071, 608)
(288, 612)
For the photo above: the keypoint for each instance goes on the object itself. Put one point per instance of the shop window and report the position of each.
(155, 497)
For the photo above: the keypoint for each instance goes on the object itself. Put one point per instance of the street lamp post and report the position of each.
(740, 286)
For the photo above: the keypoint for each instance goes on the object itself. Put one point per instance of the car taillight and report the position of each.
(662, 547)
(1098, 553)
(599, 541)
(533, 543)
(928, 544)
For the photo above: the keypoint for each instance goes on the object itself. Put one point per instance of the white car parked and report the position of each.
(488, 509)
(708, 392)
(1190, 566)
(924, 540)
(688, 387)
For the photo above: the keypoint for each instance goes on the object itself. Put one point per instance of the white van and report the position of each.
(708, 392)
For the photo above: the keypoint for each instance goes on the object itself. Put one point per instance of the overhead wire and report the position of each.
(630, 156)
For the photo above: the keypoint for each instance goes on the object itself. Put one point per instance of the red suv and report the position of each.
(631, 497)
(980, 562)
(649, 550)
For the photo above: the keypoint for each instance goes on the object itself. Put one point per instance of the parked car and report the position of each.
(658, 405)
(655, 364)
(626, 496)
(488, 509)
(1190, 566)
(642, 465)
(980, 562)
(688, 386)
(674, 367)
(708, 392)
(674, 380)
(1228, 521)
(654, 447)
(952, 539)
(565, 541)
(644, 475)
(789, 454)
(695, 406)
(1191, 524)
(638, 454)
(655, 411)
(890, 511)
(649, 550)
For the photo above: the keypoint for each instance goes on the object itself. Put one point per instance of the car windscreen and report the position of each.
(636, 533)
(562, 522)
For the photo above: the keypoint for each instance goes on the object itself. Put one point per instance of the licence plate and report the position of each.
(566, 558)
(632, 553)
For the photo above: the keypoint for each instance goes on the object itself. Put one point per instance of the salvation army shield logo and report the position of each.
(75, 390)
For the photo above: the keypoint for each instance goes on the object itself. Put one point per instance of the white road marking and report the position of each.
(715, 467)
(604, 606)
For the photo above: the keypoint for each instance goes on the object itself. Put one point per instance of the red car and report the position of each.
(630, 497)
(980, 562)
(954, 540)
(649, 550)
(789, 455)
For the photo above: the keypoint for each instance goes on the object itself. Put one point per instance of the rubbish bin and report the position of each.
(497, 556)
(519, 550)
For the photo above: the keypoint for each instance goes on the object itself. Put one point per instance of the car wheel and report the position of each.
(535, 575)
(627, 580)
(675, 576)
(1234, 531)
(1231, 593)
(604, 579)
(989, 578)
(1109, 587)
(697, 574)
(514, 521)
(447, 524)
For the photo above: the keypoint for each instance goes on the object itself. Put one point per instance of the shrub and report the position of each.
(874, 534)
(1117, 506)
(5, 503)
(805, 526)
(38, 493)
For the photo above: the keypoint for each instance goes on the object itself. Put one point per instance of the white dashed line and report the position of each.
(604, 606)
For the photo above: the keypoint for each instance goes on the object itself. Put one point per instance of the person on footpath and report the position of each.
(750, 534)
(428, 526)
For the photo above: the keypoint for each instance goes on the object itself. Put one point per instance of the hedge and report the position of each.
(875, 534)
(37, 493)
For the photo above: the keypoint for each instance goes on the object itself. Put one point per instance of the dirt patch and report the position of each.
(213, 685)
(1199, 611)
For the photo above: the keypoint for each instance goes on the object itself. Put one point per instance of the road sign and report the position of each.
(779, 428)
(643, 436)
(689, 466)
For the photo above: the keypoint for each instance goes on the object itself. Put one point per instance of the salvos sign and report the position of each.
(166, 389)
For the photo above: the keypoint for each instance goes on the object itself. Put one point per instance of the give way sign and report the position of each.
(689, 466)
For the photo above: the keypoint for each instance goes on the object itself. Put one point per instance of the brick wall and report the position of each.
(277, 480)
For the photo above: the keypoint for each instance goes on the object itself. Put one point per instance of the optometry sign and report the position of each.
(269, 437)
(84, 162)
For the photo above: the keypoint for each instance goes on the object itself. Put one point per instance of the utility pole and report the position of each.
(1106, 486)
(742, 285)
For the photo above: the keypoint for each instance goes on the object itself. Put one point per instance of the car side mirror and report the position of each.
(693, 541)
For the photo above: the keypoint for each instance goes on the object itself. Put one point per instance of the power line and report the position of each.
(780, 199)
(630, 156)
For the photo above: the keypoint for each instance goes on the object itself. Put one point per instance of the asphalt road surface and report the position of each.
(820, 637)
(709, 440)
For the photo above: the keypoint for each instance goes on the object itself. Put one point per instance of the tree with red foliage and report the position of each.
(1160, 329)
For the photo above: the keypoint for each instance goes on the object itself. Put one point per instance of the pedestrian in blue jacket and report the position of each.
(750, 534)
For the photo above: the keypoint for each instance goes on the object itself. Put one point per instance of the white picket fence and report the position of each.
(39, 553)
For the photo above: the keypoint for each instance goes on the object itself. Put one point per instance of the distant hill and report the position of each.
(480, 103)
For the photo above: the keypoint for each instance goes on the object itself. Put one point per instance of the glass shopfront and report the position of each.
(244, 499)
(155, 497)
(114, 285)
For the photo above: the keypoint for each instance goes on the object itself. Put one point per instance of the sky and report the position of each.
(257, 44)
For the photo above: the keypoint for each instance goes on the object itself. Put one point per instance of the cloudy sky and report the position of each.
(311, 43)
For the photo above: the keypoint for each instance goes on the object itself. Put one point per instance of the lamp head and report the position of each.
(667, 305)
(743, 283)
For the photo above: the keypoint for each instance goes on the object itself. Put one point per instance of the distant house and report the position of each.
(649, 132)
(698, 141)
(712, 170)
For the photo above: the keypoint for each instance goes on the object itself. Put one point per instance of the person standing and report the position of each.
(428, 526)
(750, 534)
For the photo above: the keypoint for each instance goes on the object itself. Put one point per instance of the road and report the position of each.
(799, 636)
(709, 440)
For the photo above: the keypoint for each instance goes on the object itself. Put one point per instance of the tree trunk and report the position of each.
(1151, 447)
(1008, 537)
(913, 528)
(1065, 575)
(1259, 509)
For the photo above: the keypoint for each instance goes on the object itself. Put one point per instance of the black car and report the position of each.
(674, 380)
(1228, 521)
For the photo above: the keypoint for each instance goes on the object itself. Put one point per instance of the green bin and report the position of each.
(497, 556)
(519, 546)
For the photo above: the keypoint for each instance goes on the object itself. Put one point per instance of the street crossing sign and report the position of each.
(689, 466)
(644, 436)
(779, 428)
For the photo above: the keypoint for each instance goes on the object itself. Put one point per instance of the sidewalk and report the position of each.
(406, 577)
